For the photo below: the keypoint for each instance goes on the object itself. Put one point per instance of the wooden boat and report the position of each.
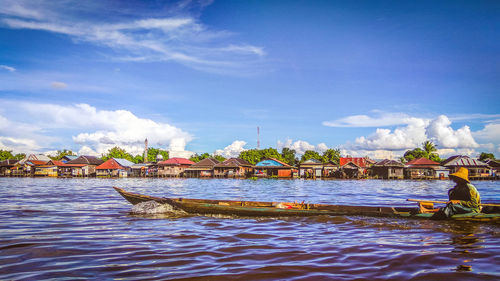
(289, 209)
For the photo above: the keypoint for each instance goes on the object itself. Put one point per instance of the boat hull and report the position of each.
(285, 209)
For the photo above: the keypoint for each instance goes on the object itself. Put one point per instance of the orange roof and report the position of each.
(111, 164)
(358, 161)
(422, 162)
(38, 162)
(56, 163)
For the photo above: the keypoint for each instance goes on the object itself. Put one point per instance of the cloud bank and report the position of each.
(179, 37)
(413, 131)
(301, 146)
(232, 150)
(98, 130)
(8, 68)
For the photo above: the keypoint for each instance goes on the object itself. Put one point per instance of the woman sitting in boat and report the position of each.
(463, 198)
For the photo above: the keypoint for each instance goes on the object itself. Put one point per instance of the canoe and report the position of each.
(289, 209)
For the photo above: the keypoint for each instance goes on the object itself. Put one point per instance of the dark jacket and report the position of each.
(467, 194)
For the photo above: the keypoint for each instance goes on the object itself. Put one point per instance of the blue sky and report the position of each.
(369, 77)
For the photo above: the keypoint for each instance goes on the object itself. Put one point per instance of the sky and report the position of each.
(371, 78)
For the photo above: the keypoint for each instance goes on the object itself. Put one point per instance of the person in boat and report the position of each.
(463, 198)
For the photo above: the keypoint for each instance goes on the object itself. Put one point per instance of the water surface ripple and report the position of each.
(72, 229)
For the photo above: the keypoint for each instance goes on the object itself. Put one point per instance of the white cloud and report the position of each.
(85, 150)
(439, 130)
(18, 145)
(58, 85)
(100, 130)
(382, 119)
(411, 136)
(490, 133)
(8, 68)
(16, 8)
(301, 146)
(416, 131)
(181, 154)
(232, 150)
(373, 154)
(181, 39)
(393, 143)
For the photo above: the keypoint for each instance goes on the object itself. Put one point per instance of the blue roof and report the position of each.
(124, 162)
(268, 162)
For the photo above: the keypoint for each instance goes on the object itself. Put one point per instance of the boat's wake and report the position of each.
(155, 208)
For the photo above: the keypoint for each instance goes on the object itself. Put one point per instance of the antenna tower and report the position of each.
(145, 151)
(258, 137)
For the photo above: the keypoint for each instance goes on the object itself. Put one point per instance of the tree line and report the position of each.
(253, 156)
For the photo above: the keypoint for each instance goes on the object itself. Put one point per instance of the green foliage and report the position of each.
(153, 153)
(61, 153)
(414, 154)
(483, 156)
(138, 159)
(253, 156)
(429, 147)
(20, 156)
(311, 154)
(197, 158)
(427, 151)
(271, 153)
(331, 155)
(288, 156)
(6, 154)
(117, 152)
(219, 158)
(435, 157)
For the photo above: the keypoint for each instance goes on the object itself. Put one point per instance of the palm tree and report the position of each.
(429, 147)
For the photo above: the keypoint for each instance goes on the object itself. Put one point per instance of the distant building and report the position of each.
(174, 167)
(388, 169)
(233, 168)
(423, 168)
(39, 158)
(114, 167)
(82, 166)
(355, 167)
(311, 168)
(477, 169)
(330, 169)
(6, 166)
(50, 169)
(495, 167)
(202, 169)
(273, 168)
(67, 158)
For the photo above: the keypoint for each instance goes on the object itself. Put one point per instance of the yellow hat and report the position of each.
(462, 173)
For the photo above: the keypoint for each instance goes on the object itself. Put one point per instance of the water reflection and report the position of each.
(81, 228)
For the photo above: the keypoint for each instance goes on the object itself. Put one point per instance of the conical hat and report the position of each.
(462, 173)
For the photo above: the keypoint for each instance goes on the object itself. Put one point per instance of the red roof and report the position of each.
(176, 161)
(422, 162)
(359, 161)
(111, 164)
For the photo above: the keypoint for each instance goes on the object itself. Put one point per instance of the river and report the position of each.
(80, 229)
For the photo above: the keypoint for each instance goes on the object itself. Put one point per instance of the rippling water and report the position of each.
(82, 229)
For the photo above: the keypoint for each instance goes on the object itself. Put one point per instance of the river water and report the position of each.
(70, 229)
